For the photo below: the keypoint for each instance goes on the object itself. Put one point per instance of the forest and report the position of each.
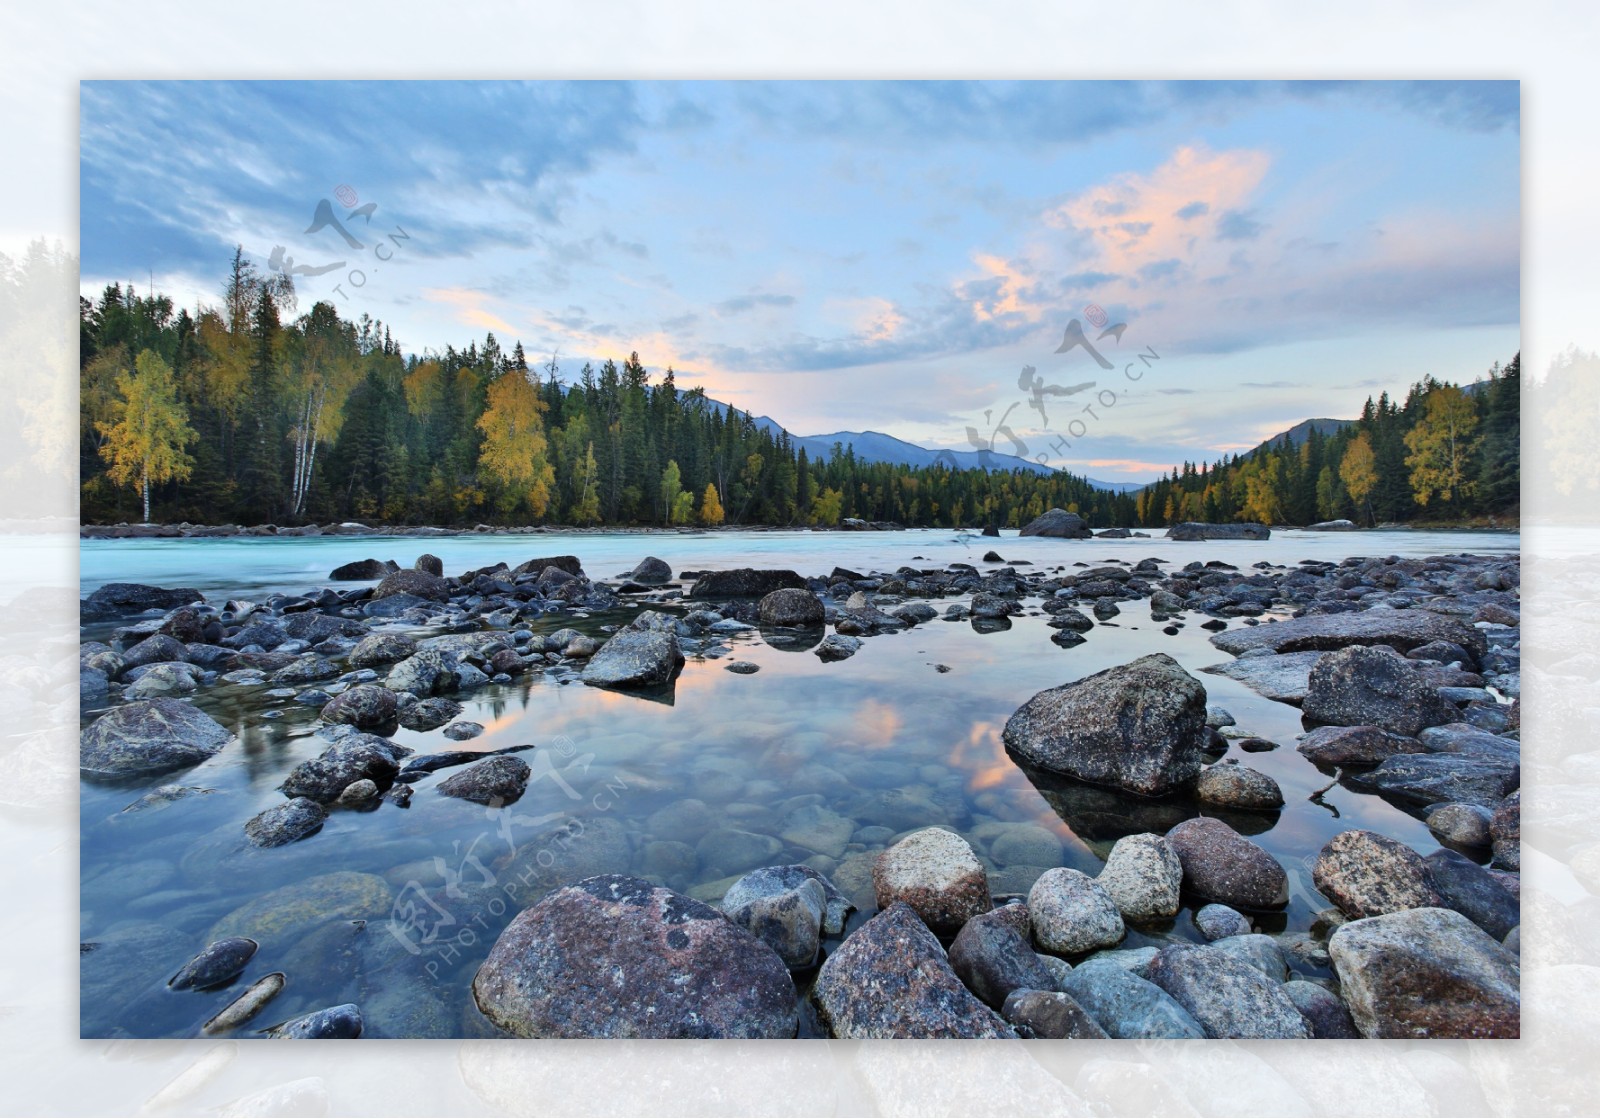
(250, 412)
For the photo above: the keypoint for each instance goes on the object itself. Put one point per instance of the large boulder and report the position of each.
(1426, 973)
(993, 958)
(147, 737)
(1072, 913)
(1473, 892)
(635, 658)
(1223, 866)
(1125, 1005)
(1225, 994)
(1340, 746)
(359, 570)
(792, 606)
(1362, 686)
(1437, 778)
(651, 572)
(614, 956)
(1340, 525)
(1144, 877)
(787, 911)
(890, 979)
(1058, 522)
(420, 584)
(744, 582)
(365, 706)
(1138, 727)
(355, 757)
(494, 781)
(1401, 630)
(135, 598)
(382, 648)
(1199, 530)
(936, 873)
(538, 565)
(1366, 874)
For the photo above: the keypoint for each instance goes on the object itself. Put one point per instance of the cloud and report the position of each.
(1192, 210)
(1269, 384)
(742, 303)
(1237, 225)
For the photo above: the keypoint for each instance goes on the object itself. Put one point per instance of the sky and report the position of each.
(905, 257)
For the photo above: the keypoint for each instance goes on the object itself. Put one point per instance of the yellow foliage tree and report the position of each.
(1443, 446)
(711, 506)
(145, 442)
(1358, 470)
(513, 442)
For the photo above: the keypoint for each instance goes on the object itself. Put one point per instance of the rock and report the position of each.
(771, 881)
(788, 918)
(305, 669)
(540, 564)
(890, 979)
(285, 823)
(1236, 786)
(1218, 922)
(1137, 727)
(350, 759)
(1401, 630)
(792, 606)
(286, 914)
(614, 956)
(837, 646)
(1460, 825)
(362, 570)
(1283, 677)
(1072, 913)
(1433, 778)
(147, 737)
(382, 648)
(1426, 973)
(1505, 832)
(495, 781)
(1142, 875)
(733, 851)
(1366, 874)
(993, 959)
(343, 1021)
(429, 671)
(937, 875)
(1362, 686)
(1324, 1013)
(1058, 523)
(1340, 525)
(1473, 892)
(1340, 746)
(246, 1006)
(362, 792)
(651, 572)
(1221, 865)
(743, 668)
(365, 706)
(162, 679)
(1126, 1006)
(429, 714)
(462, 731)
(1198, 530)
(429, 563)
(420, 584)
(1026, 845)
(1259, 951)
(133, 598)
(818, 828)
(635, 659)
(744, 582)
(219, 962)
(1228, 996)
(1050, 1014)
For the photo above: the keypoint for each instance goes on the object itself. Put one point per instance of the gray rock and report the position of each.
(496, 781)
(890, 979)
(1283, 677)
(1237, 786)
(361, 792)
(791, 606)
(1259, 951)
(1221, 865)
(382, 648)
(366, 706)
(1462, 825)
(1339, 525)
(1197, 530)
(614, 956)
(635, 659)
(651, 572)
(1058, 523)
(153, 650)
(1426, 973)
(462, 731)
(1463, 738)
(994, 959)
(351, 759)
(1433, 778)
(1401, 630)
(1137, 727)
(1505, 832)
(818, 828)
(343, 1021)
(285, 823)
(744, 582)
(1362, 686)
(1126, 1006)
(147, 737)
(838, 646)
(1473, 892)
(1366, 874)
(1050, 1014)
(1217, 922)
(1338, 746)
(1228, 996)
(361, 570)
(1026, 845)
(936, 873)
(420, 584)
(219, 962)
(1072, 913)
(429, 714)
(733, 851)
(1143, 877)
(788, 918)
(1323, 1011)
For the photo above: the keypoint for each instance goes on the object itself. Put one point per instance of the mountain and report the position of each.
(1298, 434)
(1118, 487)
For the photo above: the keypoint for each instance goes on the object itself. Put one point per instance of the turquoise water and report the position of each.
(884, 739)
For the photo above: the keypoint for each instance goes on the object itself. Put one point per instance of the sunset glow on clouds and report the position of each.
(866, 255)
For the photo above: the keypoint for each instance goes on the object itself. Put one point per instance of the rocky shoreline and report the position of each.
(1406, 670)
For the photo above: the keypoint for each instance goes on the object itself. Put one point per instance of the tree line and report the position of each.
(250, 412)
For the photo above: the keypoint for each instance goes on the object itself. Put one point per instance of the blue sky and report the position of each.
(864, 255)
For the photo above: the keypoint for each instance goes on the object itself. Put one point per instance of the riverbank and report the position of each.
(389, 714)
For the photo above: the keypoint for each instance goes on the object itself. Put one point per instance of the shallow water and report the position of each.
(883, 739)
